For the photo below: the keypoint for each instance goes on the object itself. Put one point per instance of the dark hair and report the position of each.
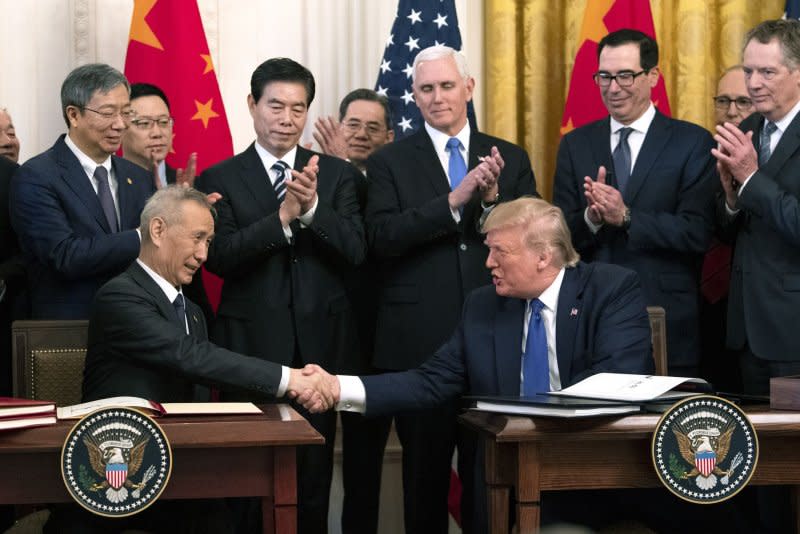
(370, 96)
(648, 48)
(147, 89)
(83, 82)
(786, 32)
(281, 69)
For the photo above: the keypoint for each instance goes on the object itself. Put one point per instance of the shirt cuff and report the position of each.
(308, 217)
(352, 395)
(744, 184)
(456, 215)
(139, 233)
(594, 228)
(284, 384)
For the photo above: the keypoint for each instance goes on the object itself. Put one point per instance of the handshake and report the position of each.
(314, 388)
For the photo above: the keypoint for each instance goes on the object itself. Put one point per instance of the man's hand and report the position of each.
(483, 178)
(729, 185)
(604, 201)
(312, 387)
(304, 184)
(290, 208)
(330, 137)
(736, 152)
(185, 177)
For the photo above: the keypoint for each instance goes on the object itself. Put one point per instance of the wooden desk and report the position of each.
(213, 457)
(540, 454)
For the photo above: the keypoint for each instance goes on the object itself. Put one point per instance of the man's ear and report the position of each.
(158, 227)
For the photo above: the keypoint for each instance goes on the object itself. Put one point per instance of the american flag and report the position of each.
(418, 25)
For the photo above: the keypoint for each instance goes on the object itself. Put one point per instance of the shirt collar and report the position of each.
(787, 119)
(549, 296)
(269, 160)
(642, 124)
(86, 162)
(169, 290)
(440, 138)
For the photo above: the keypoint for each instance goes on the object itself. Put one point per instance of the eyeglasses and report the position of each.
(108, 115)
(624, 78)
(373, 130)
(146, 123)
(742, 103)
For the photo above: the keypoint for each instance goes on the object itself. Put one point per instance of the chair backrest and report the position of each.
(658, 333)
(48, 359)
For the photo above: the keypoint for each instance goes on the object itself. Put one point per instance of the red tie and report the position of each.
(716, 274)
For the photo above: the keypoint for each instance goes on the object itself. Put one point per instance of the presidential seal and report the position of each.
(705, 449)
(116, 462)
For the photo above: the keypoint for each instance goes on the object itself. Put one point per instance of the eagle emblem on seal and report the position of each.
(117, 461)
(705, 449)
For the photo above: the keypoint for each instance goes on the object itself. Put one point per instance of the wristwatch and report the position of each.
(491, 203)
(626, 219)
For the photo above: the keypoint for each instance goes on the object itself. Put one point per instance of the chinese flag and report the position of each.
(167, 47)
(600, 18)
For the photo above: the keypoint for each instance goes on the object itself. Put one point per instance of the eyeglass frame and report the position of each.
(606, 76)
(125, 114)
(738, 101)
(136, 121)
(354, 126)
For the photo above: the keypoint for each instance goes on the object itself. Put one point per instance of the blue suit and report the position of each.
(63, 233)
(601, 325)
(670, 195)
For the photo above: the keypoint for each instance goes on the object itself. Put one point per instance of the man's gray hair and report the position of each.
(166, 205)
(786, 32)
(82, 83)
(438, 52)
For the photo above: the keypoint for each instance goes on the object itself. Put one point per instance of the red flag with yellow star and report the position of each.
(600, 18)
(167, 47)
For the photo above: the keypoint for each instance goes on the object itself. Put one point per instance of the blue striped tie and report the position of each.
(279, 168)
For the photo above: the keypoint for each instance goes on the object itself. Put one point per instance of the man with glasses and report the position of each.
(76, 206)
(732, 103)
(636, 189)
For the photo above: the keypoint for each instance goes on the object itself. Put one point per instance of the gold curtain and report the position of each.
(530, 46)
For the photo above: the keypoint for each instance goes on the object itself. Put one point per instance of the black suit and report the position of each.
(137, 347)
(286, 301)
(64, 234)
(427, 264)
(670, 195)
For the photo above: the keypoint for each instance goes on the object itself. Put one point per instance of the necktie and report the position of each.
(622, 159)
(104, 194)
(764, 150)
(180, 310)
(456, 168)
(279, 168)
(535, 371)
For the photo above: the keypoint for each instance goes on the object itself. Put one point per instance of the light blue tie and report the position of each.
(764, 150)
(279, 168)
(456, 168)
(622, 159)
(535, 369)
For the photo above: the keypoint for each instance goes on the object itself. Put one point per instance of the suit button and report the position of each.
(462, 246)
(348, 405)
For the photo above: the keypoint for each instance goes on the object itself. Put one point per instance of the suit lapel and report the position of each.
(148, 284)
(568, 315)
(125, 184)
(75, 177)
(786, 147)
(508, 344)
(601, 146)
(255, 178)
(428, 163)
(654, 143)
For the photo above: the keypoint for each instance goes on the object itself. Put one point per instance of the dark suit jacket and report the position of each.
(670, 195)
(764, 296)
(137, 347)
(284, 301)
(601, 326)
(427, 263)
(64, 235)
(12, 263)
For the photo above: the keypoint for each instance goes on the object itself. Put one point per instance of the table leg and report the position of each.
(528, 494)
(500, 473)
(285, 490)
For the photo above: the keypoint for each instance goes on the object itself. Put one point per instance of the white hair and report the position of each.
(438, 52)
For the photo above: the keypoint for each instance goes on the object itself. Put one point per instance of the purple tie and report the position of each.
(104, 194)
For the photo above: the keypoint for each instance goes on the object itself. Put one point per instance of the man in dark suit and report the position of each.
(289, 230)
(423, 215)
(590, 318)
(12, 277)
(147, 143)
(651, 206)
(76, 207)
(147, 340)
(759, 163)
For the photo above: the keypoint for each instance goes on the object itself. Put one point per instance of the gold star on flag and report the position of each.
(567, 128)
(204, 112)
(593, 27)
(209, 64)
(140, 29)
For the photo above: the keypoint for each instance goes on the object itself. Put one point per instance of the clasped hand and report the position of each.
(314, 388)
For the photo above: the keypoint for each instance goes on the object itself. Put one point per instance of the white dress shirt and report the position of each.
(89, 166)
(439, 140)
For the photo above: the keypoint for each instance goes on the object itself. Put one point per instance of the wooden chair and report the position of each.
(658, 332)
(48, 359)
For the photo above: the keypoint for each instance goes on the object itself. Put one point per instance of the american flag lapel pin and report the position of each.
(130, 182)
(573, 312)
